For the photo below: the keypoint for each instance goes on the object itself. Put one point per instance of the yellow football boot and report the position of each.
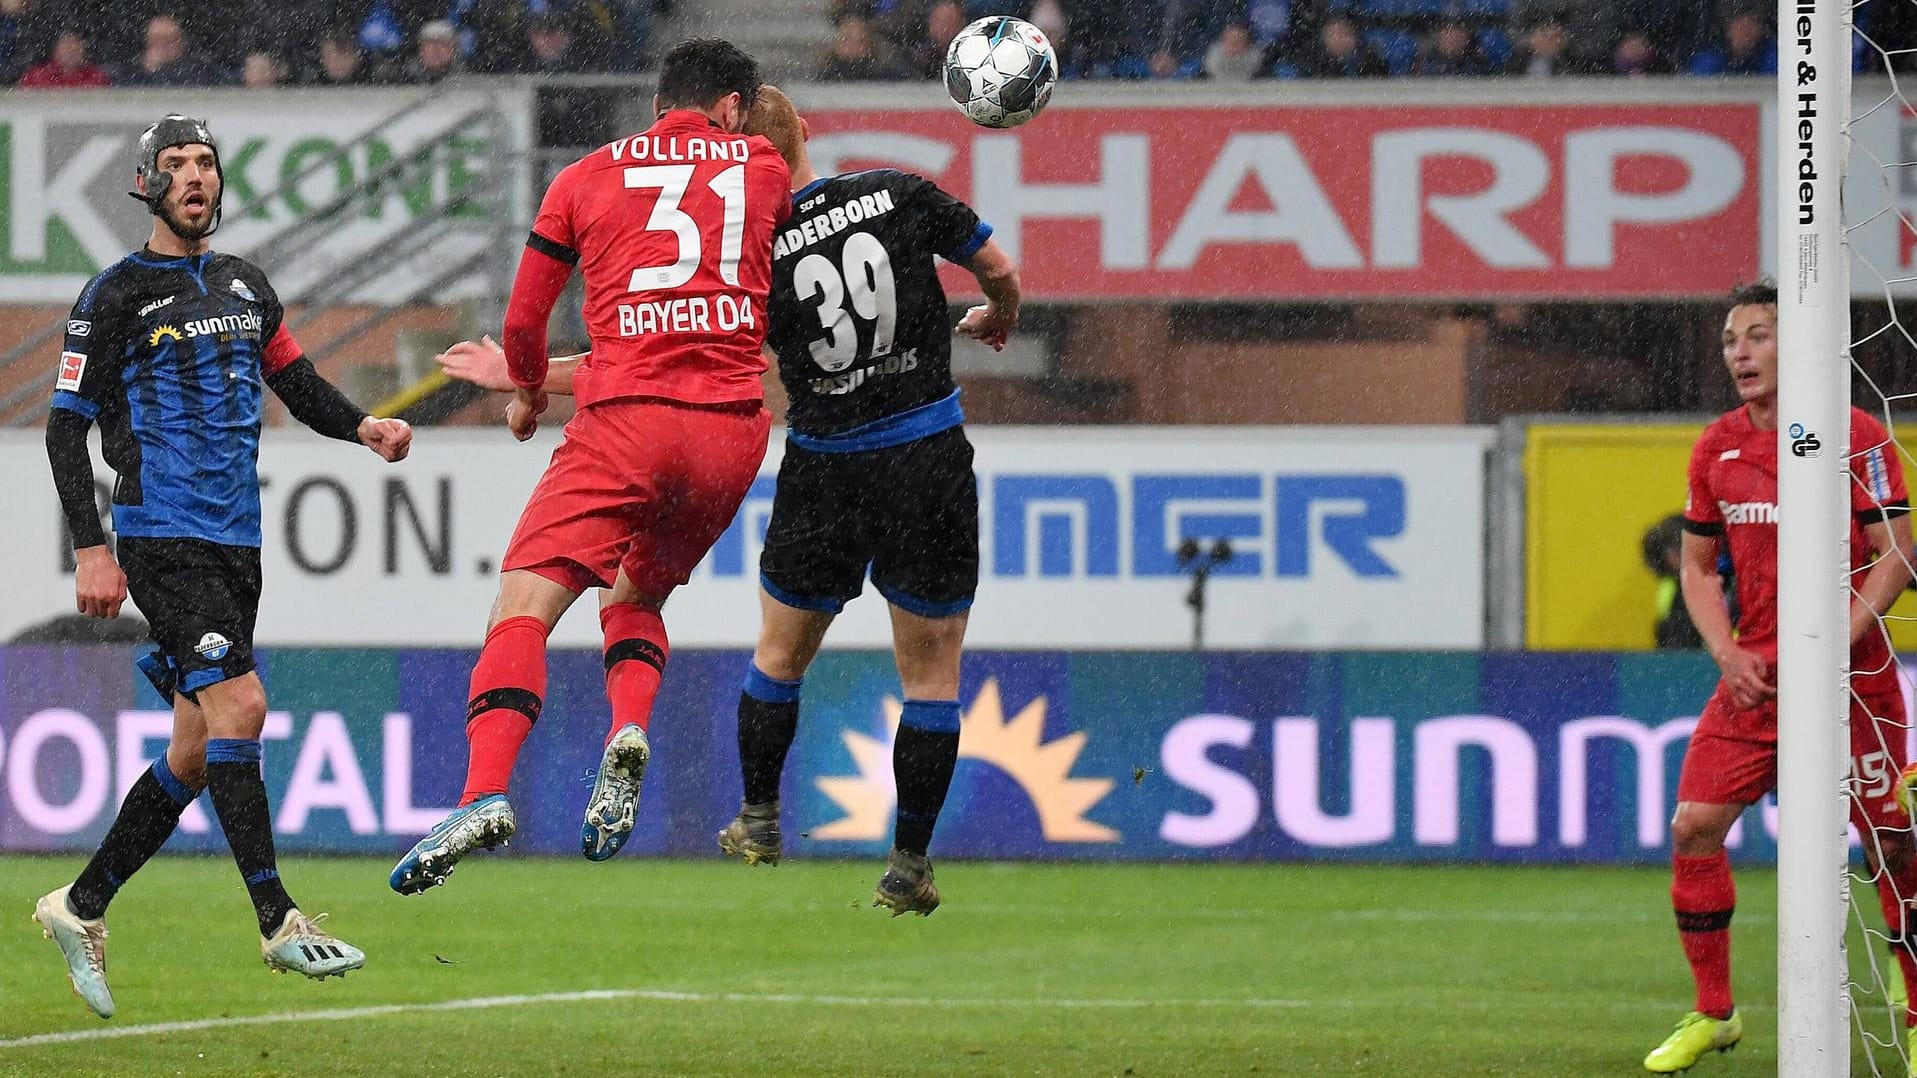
(1695, 1036)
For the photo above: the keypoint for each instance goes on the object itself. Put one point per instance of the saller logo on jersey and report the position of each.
(77, 328)
(1748, 512)
(72, 366)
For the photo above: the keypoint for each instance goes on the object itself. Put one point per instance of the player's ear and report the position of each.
(805, 130)
(656, 111)
(732, 112)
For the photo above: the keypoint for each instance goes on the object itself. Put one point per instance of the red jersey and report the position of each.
(1733, 493)
(673, 230)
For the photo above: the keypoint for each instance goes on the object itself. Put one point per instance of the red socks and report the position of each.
(636, 650)
(1704, 897)
(508, 689)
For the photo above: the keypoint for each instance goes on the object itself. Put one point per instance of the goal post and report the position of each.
(1813, 109)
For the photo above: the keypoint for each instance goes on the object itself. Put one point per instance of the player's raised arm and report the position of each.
(544, 268)
(993, 321)
(320, 406)
(483, 363)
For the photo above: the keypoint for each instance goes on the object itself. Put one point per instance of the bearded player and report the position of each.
(673, 231)
(170, 351)
(1731, 761)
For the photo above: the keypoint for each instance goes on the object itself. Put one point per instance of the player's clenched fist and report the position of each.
(990, 324)
(522, 415)
(392, 439)
(99, 587)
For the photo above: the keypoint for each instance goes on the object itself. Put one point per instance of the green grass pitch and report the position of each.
(713, 968)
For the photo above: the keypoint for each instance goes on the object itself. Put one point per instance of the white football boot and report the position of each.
(84, 944)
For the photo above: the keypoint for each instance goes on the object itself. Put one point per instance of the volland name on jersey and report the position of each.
(675, 148)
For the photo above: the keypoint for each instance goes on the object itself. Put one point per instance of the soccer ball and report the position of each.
(1000, 71)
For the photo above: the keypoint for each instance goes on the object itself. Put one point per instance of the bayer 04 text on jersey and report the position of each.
(726, 312)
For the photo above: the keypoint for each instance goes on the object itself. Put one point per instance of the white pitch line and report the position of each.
(347, 1014)
(660, 995)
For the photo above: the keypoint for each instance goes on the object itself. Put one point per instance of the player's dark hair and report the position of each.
(1664, 537)
(1762, 290)
(697, 72)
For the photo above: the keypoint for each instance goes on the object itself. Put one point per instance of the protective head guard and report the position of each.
(172, 130)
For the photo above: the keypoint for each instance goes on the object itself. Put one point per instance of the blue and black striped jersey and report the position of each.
(170, 357)
(858, 317)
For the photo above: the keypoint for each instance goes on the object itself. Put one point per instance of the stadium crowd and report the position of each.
(1246, 39)
(91, 43)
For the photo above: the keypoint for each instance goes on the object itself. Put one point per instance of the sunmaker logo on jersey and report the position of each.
(248, 323)
(227, 323)
(1748, 512)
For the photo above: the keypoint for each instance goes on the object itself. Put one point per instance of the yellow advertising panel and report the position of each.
(1591, 491)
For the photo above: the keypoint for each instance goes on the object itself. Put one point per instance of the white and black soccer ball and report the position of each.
(1000, 71)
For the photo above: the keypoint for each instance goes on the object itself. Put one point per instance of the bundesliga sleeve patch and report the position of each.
(72, 366)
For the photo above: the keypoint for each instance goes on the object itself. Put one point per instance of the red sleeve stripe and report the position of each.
(281, 352)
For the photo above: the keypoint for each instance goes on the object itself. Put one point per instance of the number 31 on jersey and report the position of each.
(688, 314)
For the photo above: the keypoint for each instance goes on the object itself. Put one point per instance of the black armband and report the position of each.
(315, 401)
(73, 476)
(1883, 514)
(552, 249)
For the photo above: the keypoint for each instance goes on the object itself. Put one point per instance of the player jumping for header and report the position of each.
(877, 474)
(673, 230)
(169, 350)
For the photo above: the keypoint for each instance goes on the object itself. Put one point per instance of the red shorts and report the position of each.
(640, 485)
(1732, 757)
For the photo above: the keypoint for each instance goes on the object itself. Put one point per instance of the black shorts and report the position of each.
(200, 600)
(909, 512)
